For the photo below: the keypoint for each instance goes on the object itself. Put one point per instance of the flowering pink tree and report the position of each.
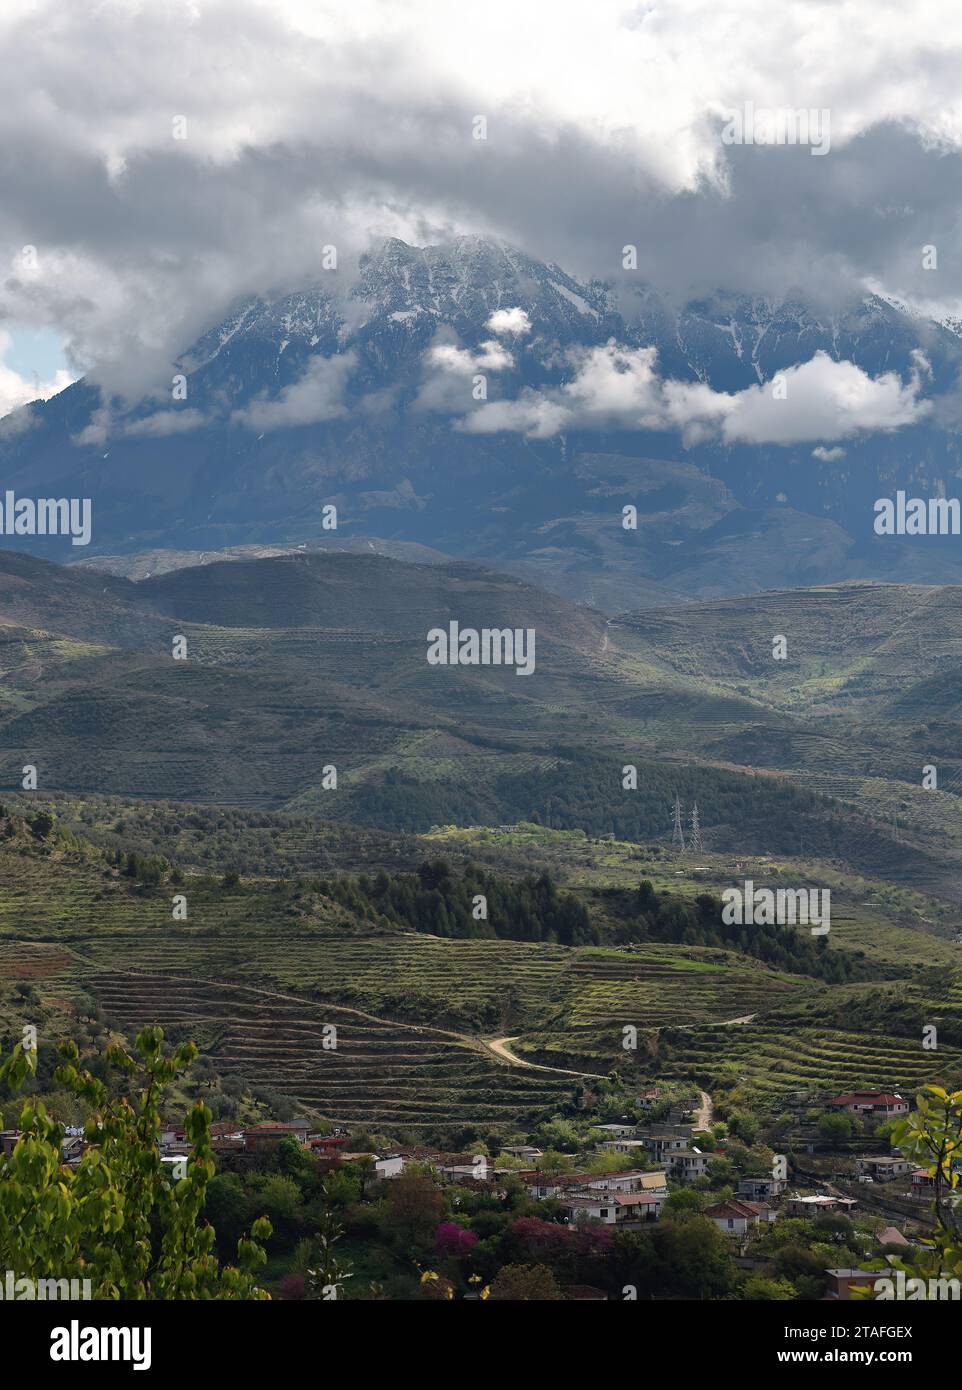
(453, 1242)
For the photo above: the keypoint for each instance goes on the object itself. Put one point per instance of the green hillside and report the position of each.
(300, 664)
(262, 965)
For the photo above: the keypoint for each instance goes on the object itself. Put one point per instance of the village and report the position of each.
(623, 1177)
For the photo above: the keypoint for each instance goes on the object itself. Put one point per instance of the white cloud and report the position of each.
(17, 391)
(533, 414)
(311, 122)
(165, 422)
(448, 384)
(316, 396)
(824, 399)
(492, 357)
(829, 455)
(512, 321)
(617, 387)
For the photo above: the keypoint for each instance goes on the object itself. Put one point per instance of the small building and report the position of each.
(328, 1149)
(227, 1144)
(636, 1181)
(543, 1185)
(639, 1208)
(891, 1235)
(72, 1150)
(841, 1282)
(883, 1168)
(879, 1105)
(272, 1133)
(585, 1207)
(523, 1151)
(631, 1209)
(666, 1138)
(181, 1149)
(688, 1165)
(624, 1146)
(647, 1100)
(455, 1172)
(389, 1165)
(817, 1204)
(622, 1131)
(327, 1143)
(737, 1217)
(8, 1141)
(758, 1189)
(225, 1129)
(923, 1185)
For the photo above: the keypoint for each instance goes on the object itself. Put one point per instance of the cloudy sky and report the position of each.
(305, 124)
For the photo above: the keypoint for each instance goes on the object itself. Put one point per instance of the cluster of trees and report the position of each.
(649, 916)
(476, 903)
(147, 869)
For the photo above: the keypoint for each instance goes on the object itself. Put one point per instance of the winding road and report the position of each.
(499, 1047)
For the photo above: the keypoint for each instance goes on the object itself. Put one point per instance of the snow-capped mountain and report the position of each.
(330, 394)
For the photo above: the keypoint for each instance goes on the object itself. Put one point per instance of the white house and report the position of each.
(635, 1181)
(884, 1167)
(879, 1105)
(687, 1165)
(815, 1205)
(737, 1217)
(624, 1146)
(613, 1209)
(389, 1165)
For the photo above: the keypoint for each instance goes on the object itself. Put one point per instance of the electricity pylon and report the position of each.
(694, 839)
(677, 832)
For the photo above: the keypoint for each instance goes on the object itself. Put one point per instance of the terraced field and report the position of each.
(475, 986)
(260, 967)
(811, 1038)
(380, 1075)
(657, 986)
(778, 1059)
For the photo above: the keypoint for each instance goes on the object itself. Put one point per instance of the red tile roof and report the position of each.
(736, 1207)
